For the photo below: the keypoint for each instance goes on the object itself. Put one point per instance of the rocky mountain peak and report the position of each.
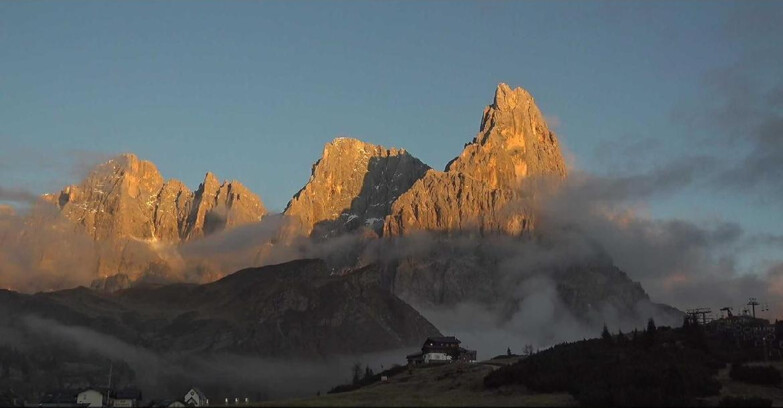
(126, 197)
(353, 185)
(218, 206)
(507, 98)
(210, 184)
(113, 198)
(513, 144)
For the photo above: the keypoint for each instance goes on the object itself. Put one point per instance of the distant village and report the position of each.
(435, 350)
(107, 397)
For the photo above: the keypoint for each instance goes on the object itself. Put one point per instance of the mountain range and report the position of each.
(353, 185)
(396, 237)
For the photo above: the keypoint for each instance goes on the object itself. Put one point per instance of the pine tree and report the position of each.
(368, 373)
(651, 326)
(605, 335)
(357, 370)
(649, 334)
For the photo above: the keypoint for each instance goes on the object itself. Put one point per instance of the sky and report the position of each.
(253, 90)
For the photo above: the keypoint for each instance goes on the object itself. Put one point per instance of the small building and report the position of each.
(94, 397)
(468, 356)
(59, 399)
(128, 398)
(441, 350)
(195, 398)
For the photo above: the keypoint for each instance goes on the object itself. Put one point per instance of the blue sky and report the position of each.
(253, 90)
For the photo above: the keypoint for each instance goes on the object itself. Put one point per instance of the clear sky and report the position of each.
(253, 90)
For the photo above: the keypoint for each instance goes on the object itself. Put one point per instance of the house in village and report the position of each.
(95, 397)
(59, 399)
(195, 398)
(127, 398)
(441, 350)
(92, 397)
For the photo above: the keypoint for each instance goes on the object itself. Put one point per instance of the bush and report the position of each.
(744, 402)
(761, 375)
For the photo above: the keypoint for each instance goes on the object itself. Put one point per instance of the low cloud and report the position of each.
(679, 262)
(220, 375)
(41, 251)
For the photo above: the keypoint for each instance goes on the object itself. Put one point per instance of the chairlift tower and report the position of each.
(703, 311)
(752, 302)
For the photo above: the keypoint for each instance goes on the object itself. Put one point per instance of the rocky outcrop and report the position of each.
(127, 198)
(477, 191)
(352, 186)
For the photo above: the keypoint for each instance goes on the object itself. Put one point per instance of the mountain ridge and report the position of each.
(126, 197)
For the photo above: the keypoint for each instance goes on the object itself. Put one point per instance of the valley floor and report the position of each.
(454, 384)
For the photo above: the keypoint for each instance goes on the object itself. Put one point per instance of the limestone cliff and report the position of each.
(220, 206)
(353, 185)
(137, 219)
(128, 198)
(474, 192)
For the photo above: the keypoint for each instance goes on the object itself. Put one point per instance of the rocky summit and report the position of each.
(353, 186)
(128, 198)
(221, 206)
(357, 184)
(477, 189)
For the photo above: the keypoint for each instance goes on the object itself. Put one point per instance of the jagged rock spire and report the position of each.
(513, 143)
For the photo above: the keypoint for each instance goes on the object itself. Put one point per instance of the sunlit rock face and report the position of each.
(222, 206)
(128, 198)
(353, 186)
(136, 218)
(452, 201)
(514, 143)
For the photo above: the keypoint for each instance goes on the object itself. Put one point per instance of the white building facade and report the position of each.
(90, 398)
(196, 398)
(436, 357)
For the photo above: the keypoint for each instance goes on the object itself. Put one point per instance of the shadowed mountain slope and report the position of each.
(292, 309)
